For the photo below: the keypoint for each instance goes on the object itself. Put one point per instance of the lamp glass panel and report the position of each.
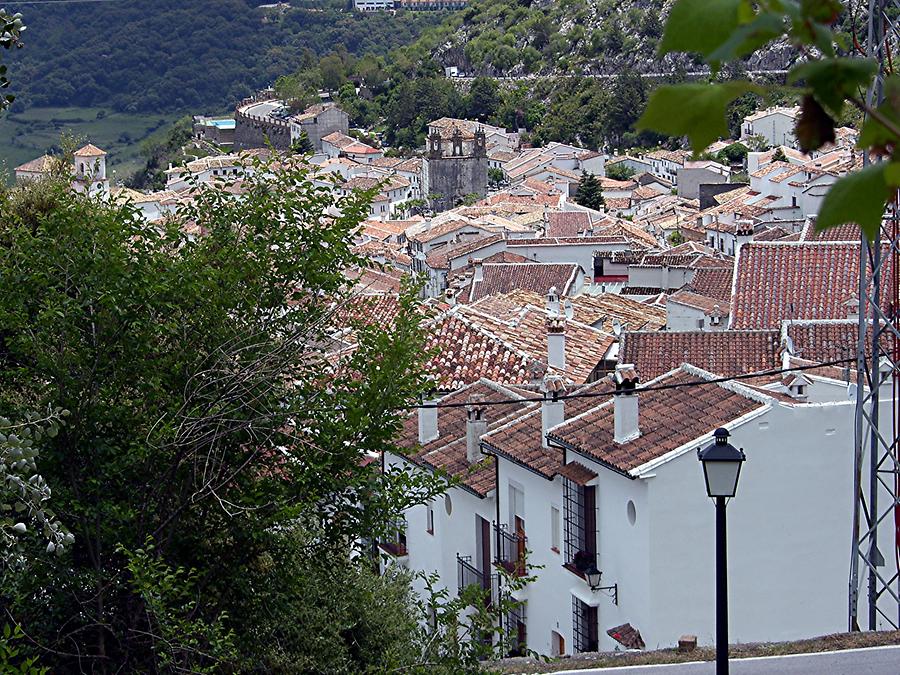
(721, 478)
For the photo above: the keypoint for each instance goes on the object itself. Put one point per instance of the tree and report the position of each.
(733, 154)
(483, 98)
(825, 83)
(778, 155)
(496, 176)
(203, 415)
(619, 171)
(590, 192)
(301, 145)
(11, 29)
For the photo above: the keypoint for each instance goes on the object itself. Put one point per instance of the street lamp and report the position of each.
(592, 576)
(721, 469)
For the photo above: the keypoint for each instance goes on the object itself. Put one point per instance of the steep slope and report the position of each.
(164, 55)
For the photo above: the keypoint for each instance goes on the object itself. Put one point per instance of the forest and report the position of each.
(162, 56)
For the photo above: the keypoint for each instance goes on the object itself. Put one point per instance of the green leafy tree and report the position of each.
(301, 145)
(483, 99)
(203, 413)
(723, 31)
(619, 171)
(11, 29)
(496, 176)
(590, 192)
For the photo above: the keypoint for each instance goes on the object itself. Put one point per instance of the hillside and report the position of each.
(170, 55)
(565, 37)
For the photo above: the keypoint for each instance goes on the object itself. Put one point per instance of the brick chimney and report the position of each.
(552, 408)
(553, 302)
(476, 427)
(625, 400)
(556, 343)
(428, 421)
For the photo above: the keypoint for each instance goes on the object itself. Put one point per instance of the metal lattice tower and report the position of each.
(875, 558)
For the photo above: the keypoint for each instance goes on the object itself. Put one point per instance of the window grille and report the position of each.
(515, 630)
(581, 525)
(584, 627)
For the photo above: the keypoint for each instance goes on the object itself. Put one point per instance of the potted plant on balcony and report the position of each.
(583, 560)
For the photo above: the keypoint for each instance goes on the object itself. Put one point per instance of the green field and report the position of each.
(30, 134)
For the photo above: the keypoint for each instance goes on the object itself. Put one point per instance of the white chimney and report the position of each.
(428, 421)
(450, 297)
(625, 400)
(852, 307)
(552, 408)
(479, 271)
(476, 427)
(553, 301)
(556, 343)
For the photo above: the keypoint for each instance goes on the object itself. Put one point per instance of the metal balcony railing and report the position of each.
(510, 550)
(469, 575)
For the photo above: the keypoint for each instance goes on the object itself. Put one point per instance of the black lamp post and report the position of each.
(721, 469)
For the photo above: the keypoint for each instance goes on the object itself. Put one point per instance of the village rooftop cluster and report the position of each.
(582, 356)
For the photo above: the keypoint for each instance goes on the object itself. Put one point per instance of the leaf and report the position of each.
(859, 198)
(699, 25)
(834, 80)
(693, 110)
(749, 37)
(815, 127)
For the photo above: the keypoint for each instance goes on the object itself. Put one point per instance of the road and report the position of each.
(871, 661)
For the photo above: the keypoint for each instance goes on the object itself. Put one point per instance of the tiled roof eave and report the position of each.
(553, 438)
(495, 450)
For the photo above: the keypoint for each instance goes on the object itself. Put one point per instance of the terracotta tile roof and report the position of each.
(567, 223)
(432, 231)
(466, 352)
(440, 258)
(376, 280)
(793, 280)
(713, 282)
(538, 277)
(771, 234)
(846, 232)
(669, 419)
(704, 303)
(527, 330)
(727, 352)
(40, 165)
(577, 473)
(603, 310)
(89, 150)
(822, 341)
(447, 453)
(520, 440)
(618, 202)
(676, 156)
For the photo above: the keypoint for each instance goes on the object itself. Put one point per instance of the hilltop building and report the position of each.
(264, 120)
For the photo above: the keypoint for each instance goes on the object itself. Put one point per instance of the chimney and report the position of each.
(476, 427)
(851, 304)
(568, 310)
(450, 297)
(556, 343)
(625, 400)
(479, 271)
(428, 421)
(552, 409)
(553, 302)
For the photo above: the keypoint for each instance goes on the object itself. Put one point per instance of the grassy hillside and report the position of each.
(29, 134)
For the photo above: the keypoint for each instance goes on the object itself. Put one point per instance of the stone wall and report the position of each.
(251, 131)
(455, 177)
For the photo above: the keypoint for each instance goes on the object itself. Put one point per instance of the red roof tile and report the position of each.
(793, 280)
(669, 419)
(537, 277)
(723, 352)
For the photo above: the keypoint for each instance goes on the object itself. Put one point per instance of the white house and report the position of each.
(611, 479)
(775, 125)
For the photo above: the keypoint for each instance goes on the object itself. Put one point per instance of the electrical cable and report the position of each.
(637, 390)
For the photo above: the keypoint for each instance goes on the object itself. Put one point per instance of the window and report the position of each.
(516, 634)
(580, 508)
(429, 520)
(554, 528)
(584, 627)
(700, 323)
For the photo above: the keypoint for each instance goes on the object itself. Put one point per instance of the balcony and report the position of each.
(510, 550)
(395, 544)
(469, 575)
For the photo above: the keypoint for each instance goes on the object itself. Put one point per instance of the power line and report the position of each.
(657, 387)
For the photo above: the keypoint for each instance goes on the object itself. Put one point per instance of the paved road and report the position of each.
(873, 661)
